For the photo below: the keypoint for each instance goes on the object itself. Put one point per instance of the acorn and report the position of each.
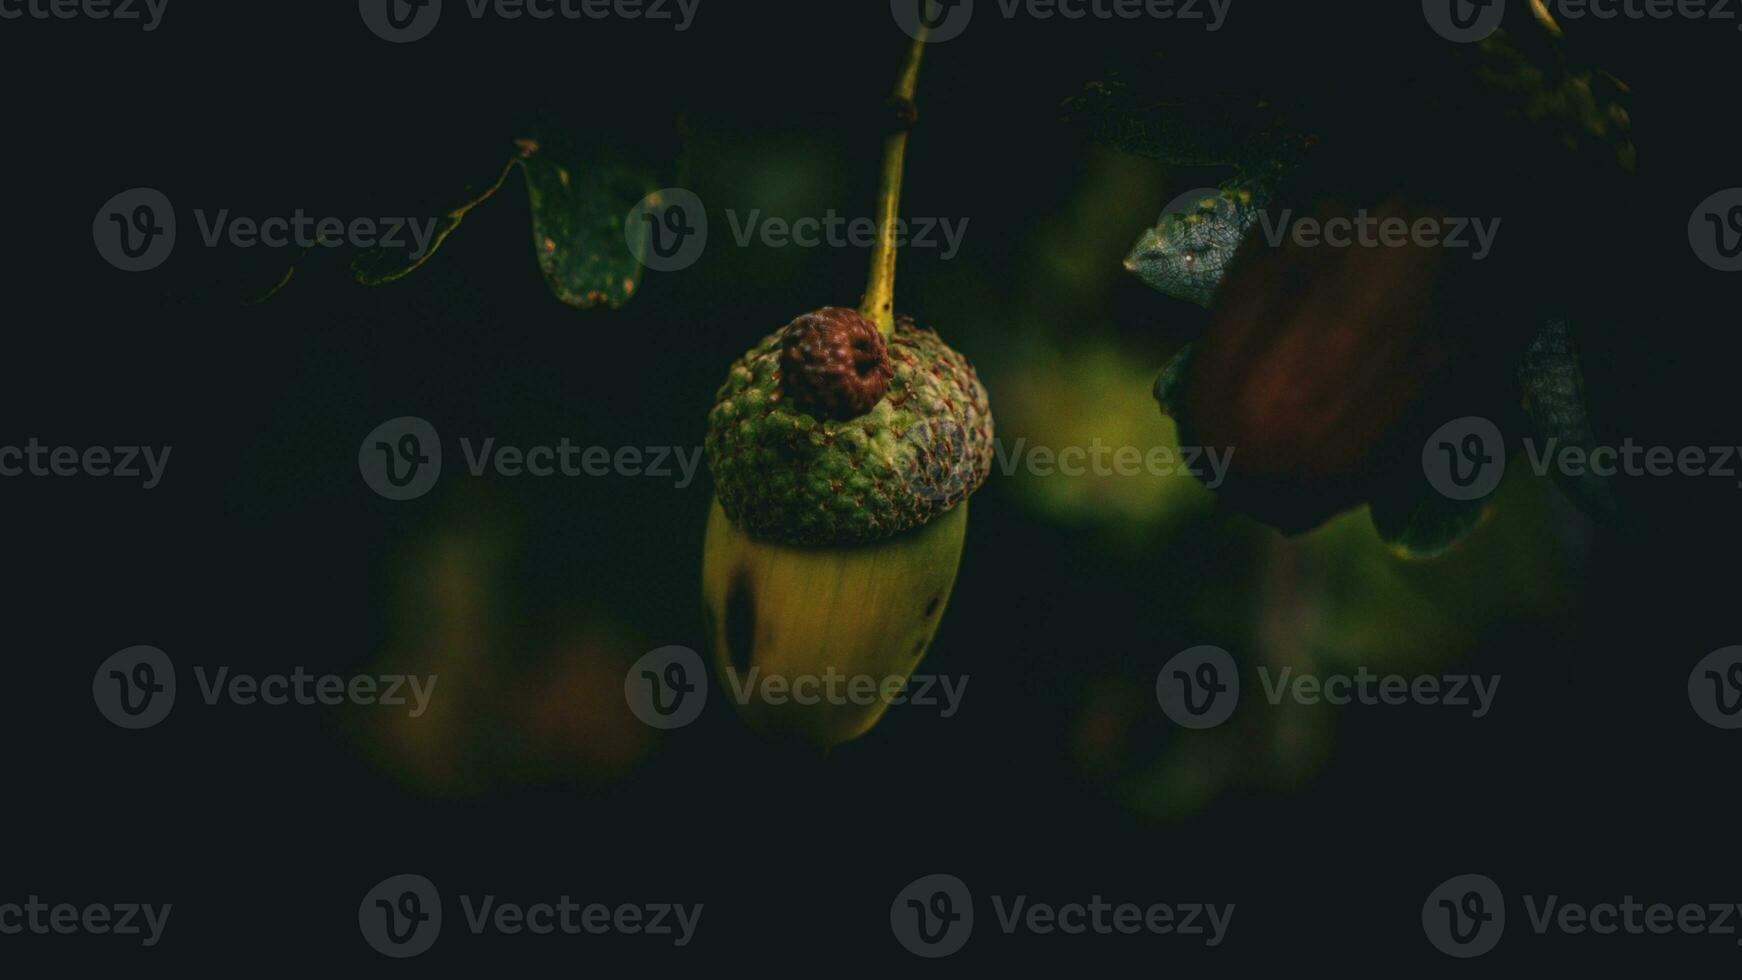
(843, 447)
(1326, 370)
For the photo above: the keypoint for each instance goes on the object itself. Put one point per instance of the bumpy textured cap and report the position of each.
(783, 474)
(834, 363)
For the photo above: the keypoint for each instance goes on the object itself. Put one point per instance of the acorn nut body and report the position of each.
(842, 463)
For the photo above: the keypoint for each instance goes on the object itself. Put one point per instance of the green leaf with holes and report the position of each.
(579, 204)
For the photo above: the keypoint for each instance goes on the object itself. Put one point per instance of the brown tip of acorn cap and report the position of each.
(834, 363)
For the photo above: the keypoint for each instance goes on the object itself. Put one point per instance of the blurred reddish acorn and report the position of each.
(1325, 368)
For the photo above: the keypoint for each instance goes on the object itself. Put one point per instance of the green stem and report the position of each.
(879, 305)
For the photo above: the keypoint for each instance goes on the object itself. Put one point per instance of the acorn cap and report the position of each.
(786, 472)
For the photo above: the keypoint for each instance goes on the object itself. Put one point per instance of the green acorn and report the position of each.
(843, 447)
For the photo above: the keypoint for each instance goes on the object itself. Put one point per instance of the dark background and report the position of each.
(264, 550)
